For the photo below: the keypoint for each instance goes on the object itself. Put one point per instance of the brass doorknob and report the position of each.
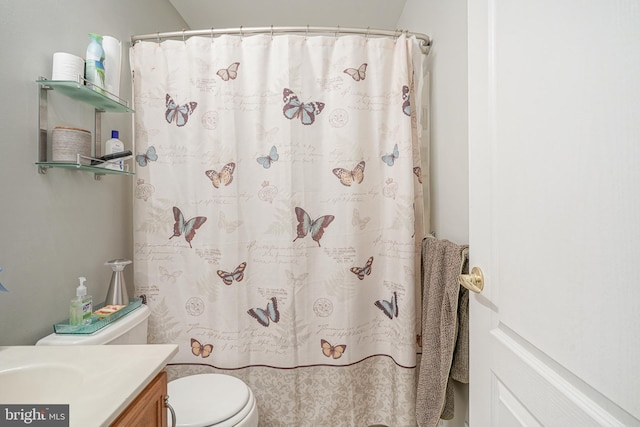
(474, 281)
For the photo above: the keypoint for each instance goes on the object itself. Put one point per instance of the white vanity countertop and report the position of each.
(98, 382)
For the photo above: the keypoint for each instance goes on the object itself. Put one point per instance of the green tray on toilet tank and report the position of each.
(96, 323)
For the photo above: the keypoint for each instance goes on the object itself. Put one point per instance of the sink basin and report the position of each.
(97, 381)
(55, 382)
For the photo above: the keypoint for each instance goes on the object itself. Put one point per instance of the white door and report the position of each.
(554, 125)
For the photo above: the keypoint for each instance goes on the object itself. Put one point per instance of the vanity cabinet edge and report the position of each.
(148, 408)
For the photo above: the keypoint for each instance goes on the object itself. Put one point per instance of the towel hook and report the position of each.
(474, 281)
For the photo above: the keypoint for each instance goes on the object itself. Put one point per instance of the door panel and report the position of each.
(545, 391)
(554, 101)
(511, 412)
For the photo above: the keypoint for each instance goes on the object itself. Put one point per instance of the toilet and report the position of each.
(204, 400)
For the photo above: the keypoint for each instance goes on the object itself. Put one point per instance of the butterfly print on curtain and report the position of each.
(362, 271)
(347, 177)
(166, 276)
(294, 109)
(264, 317)
(178, 113)
(391, 158)
(315, 227)
(406, 104)
(357, 74)
(224, 177)
(266, 161)
(200, 350)
(389, 308)
(229, 73)
(417, 171)
(332, 351)
(237, 274)
(228, 226)
(149, 156)
(359, 222)
(188, 228)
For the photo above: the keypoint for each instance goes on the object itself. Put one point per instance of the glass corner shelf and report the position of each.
(83, 163)
(96, 322)
(86, 168)
(86, 93)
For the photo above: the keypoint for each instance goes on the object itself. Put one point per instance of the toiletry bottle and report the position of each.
(114, 145)
(81, 305)
(94, 62)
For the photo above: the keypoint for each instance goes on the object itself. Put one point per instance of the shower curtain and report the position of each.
(278, 217)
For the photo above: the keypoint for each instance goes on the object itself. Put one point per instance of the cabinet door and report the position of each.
(148, 409)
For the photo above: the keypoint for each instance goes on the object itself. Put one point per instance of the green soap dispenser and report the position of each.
(81, 305)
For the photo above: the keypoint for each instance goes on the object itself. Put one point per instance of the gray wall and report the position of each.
(445, 21)
(65, 224)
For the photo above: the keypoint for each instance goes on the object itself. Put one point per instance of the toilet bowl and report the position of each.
(211, 400)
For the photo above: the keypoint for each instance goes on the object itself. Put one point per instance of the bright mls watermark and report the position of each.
(34, 415)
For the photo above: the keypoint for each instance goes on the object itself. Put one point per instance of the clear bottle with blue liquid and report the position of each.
(94, 62)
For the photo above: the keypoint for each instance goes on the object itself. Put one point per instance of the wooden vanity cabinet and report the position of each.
(147, 410)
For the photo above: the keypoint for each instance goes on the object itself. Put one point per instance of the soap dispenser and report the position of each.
(81, 306)
(117, 294)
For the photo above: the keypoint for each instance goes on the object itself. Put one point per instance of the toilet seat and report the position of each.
(210, 400)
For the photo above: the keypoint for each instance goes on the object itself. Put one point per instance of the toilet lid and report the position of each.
(207, 399)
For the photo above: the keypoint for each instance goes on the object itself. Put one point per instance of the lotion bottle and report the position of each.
(81, 306)
(114, 145)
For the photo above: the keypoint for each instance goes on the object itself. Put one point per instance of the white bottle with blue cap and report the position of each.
(112, 146)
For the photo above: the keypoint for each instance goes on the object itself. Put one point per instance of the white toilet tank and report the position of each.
(130, 329)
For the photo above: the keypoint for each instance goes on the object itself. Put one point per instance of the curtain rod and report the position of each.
(425, 41)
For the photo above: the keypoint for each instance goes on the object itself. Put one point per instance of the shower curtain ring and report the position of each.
(306, 33)
(183, 40)
(337, 31)
(211, 34)
(271, 31)
(241, 33)
(366, 38)
(158, 37)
